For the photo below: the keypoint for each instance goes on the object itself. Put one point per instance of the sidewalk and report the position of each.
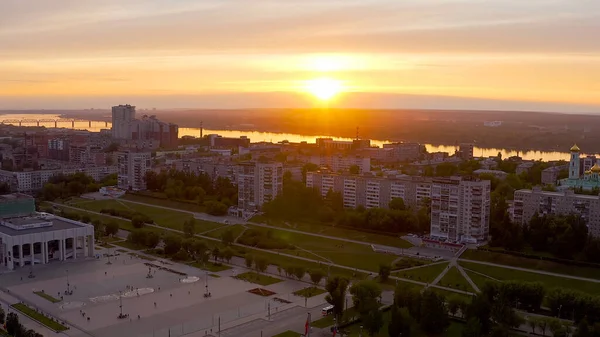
(6, 300)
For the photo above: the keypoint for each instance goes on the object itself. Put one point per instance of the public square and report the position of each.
(168, 304)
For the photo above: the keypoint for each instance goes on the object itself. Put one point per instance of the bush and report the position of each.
(215, 208)
(263, 239)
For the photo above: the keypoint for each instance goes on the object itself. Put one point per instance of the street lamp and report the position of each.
(108, 255)
(68, 284)
(360, 332)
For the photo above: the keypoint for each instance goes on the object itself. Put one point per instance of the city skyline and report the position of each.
(466, 54)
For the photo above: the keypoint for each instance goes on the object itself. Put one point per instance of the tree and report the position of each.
(400, 322)
(181, 255)
(2, 316)
(532, 322)
(557, 328)
(397, 204)
(12, 323)
(542, 323)
(172, 243)
(261, 264)
(111, 228)
(308, 167)
(434, 315)
(354, 169)
(472, 328)
(189, 227)
(227, 237)
(216, 253)
(454, 304)
(480, 309)
(316, 275)
(299, 272)
(199, 248)
(384, 272)
(583, 329)
(365, 296)
(152, 239)
(227, 254)
(372, 321)
(249, 260)
(86, 218)
(336, 287)
(215, 208)
(137, 221)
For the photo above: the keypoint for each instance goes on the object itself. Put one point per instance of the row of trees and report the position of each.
(65, 186)
(14, 327)
(100, 228)
(192, 186)
(298, 202)
(137, 219)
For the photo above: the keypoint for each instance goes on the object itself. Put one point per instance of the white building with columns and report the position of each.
(28, 237)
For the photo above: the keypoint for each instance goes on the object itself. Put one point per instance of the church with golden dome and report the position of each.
(588, 179)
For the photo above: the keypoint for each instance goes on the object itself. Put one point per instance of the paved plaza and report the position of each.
(168, 304)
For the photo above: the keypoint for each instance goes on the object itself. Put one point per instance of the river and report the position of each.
(258, 136)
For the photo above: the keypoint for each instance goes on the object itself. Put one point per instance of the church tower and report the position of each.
(574, 164)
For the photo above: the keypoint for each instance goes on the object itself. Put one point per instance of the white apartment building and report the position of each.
(460, 209)
(132, 168)
(529, 202)
(123, 117)
(339, 162)
(258, 183)
(371, 191)
(32, 181)
(28, 237)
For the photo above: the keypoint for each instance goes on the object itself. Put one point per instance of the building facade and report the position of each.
(529, 202)
(29, 238)
(339, 162)
(132, 169)
(460, 209)
(258, 183)
(32, 181)
(122, 121)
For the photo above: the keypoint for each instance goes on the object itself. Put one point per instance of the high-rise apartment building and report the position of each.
(123, 117)
(466, 151)
(529, 202)
(371, 191)
(132, 168)
(460, 209)
(258, 183)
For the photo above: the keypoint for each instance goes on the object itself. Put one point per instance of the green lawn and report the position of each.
(454, 279)
(478, 279)
(210, 266)
(424, 274)
(522, 262)
(123, 224)
(309, 292)
(327, 321)
(447, 293)
(323, 249)
(288, 333)
(387, 240)
(252, 277)
(165, 202)
(280, 260)
(549, 281)
(46, 296)
(50, 323)
(235, 229)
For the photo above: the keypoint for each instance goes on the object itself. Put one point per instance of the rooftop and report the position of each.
(57, 224)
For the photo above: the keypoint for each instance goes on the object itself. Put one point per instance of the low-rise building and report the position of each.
(28, 237)
(32, 181)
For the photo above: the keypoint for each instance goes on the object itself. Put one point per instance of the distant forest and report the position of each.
(519, 130)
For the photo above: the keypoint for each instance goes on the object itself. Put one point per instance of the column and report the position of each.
(44, 252)
(63, 248)
(74, 248)
(11, 259)
(84, 245)
(60, 250)
(21, 262)
(32, 257)
(91, 245)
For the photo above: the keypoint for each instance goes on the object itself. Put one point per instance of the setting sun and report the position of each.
(324, 88)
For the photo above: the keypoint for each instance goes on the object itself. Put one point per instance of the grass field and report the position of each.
(479, 280)
(454, 279)
(324, 249)
(522, 262)
(394, 241)
(309, 292)
(424, 274)
(236, 229)
(39, 317)
(252, 277)
(447, 293)
(46, 296)
(127, 244)
(549, 281)
(165, 203)
(123, 224)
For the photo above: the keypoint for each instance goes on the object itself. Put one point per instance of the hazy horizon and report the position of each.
(381, 54)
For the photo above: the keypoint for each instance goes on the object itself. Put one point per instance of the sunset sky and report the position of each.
(471, 54)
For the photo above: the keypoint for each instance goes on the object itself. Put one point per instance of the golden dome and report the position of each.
(595, 168)
(575, 148)
(588, 172)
